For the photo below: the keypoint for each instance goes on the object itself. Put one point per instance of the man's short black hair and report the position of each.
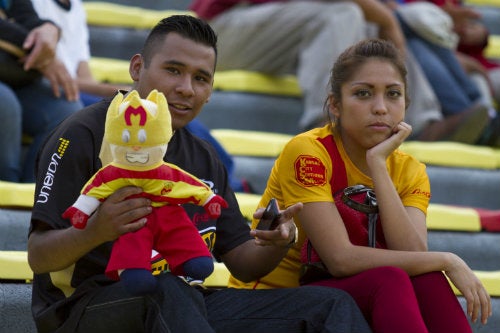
(187, 26)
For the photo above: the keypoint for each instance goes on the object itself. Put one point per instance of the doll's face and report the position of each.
(138, 156)
(139, 130)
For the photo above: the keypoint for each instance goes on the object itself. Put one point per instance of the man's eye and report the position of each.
(172, 70)
(201, 78)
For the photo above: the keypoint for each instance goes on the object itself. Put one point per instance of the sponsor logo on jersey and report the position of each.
(310, 171)
(48, 180)
(420, 192)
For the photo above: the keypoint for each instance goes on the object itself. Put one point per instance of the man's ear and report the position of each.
(211, 90)
(135, 67)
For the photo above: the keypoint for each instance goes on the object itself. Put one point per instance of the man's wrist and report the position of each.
(56, 27)
(294, 239)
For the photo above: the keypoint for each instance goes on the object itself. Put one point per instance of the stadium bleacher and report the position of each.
(464, 216)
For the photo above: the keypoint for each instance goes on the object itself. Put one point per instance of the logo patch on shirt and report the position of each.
(48, 180)
(310, 171)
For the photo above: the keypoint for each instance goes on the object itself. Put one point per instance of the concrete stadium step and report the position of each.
(465, 186)
(480, 250)
(14, 226)
(276, 113)
(147, 4)
(15, 308)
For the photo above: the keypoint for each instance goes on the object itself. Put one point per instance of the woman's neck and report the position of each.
(356, 154)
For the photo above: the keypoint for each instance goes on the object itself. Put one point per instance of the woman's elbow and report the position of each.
(340, 266)
(340, 271)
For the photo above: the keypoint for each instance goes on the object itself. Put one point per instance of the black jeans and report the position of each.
(179, 308)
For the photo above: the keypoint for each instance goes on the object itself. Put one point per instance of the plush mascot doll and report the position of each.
(138, 131)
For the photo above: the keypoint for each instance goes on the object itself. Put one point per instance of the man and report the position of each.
(70, 291)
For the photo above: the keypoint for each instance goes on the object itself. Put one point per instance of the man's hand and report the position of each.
(253, 259)
(41, 43)
(460, 14)
(59, 78)
(474, 33)
(119, 214)
(284, 234)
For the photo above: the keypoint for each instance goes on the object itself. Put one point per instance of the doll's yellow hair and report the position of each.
(132, 121)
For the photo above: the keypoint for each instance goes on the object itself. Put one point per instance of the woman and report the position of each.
(398, 285)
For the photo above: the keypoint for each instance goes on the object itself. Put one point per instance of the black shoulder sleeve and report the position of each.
(69, 157)
(23, 12)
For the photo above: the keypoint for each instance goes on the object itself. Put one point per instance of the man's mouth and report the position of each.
(179, 107)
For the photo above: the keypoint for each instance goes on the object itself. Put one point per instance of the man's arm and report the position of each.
(255, 258)
(41, 43)
(51, 250)
(42, 38)
(88, 84)
(380, 14)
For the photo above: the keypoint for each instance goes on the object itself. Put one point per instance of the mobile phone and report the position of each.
(269, 220)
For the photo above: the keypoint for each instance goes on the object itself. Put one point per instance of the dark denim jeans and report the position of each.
(177, 307)
(287, 310)
(31, 110)
(454, 89)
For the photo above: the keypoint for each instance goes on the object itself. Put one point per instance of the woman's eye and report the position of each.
(395, 93)
(362, 93)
